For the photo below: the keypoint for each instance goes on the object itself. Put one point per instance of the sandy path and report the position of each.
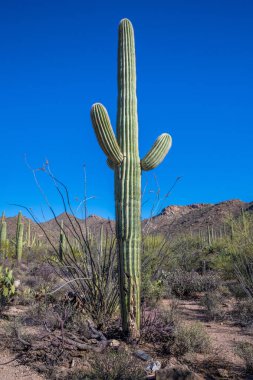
(224, 335)
(13, 370)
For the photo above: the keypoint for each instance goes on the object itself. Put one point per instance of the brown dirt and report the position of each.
(223, 361)
(224, 335)
(13, 370)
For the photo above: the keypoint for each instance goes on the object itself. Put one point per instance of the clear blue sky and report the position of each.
(194, 80)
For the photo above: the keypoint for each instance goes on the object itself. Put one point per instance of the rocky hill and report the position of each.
(194, 218)
(172, 221)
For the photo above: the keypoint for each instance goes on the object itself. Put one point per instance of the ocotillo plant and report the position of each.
(123, 157)
(19, 237)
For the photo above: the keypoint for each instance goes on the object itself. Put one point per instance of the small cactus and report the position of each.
(19, 237)
(3, 235)
(62, 242)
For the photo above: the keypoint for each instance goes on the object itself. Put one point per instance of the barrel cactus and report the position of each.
(122, 153)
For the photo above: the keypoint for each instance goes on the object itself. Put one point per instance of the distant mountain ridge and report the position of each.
(196, 217)
(172, 220)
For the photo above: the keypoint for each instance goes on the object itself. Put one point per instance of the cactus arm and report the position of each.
(105, 135)
(157, 153)
(110, 164)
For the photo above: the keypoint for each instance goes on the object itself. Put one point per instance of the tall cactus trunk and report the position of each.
(128, 184)
(123, 158)
(19, 246)
(19, 237)
(3, 236)
(62, 242)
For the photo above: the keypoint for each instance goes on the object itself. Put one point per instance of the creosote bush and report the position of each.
(243, 312)
(155, 256)
(152, 291)
(245, 351)
(158, 327)
(112, 365)
(170, 336)
(189, 339)
(213, 303)
(185, 284)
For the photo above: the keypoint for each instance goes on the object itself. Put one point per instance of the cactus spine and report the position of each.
(19, 237)
(123, 156)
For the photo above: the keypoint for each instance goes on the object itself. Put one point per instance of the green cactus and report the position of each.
(101, 240)
(29, 239)
(62, 242)
(3, 234)
(123, 157)
(19, 237)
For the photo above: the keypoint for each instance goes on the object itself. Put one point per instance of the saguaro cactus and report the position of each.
(19, 237)
(29, 239)
(123, 157)
(62, 242)
(3, 233)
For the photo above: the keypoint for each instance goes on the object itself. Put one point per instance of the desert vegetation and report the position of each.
(60, 304)
(168, 297)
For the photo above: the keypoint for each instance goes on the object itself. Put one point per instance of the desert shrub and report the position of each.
(221, 258)
(158, 327)
(36, 282)
(169, 336)
(154, 258)
(112, 365)
(186, 284)
(43, 273)
(242, 242)
(190, 338)
(151, 291)
(236, 289)
(188, 253)
(198, 253)
(7, 287)
(170, 313)
(245, 351)
(213, 303)
(83, 257)
(243, 312)
(26, 296)
(244, 273)
(92, 276)
(178, 340)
